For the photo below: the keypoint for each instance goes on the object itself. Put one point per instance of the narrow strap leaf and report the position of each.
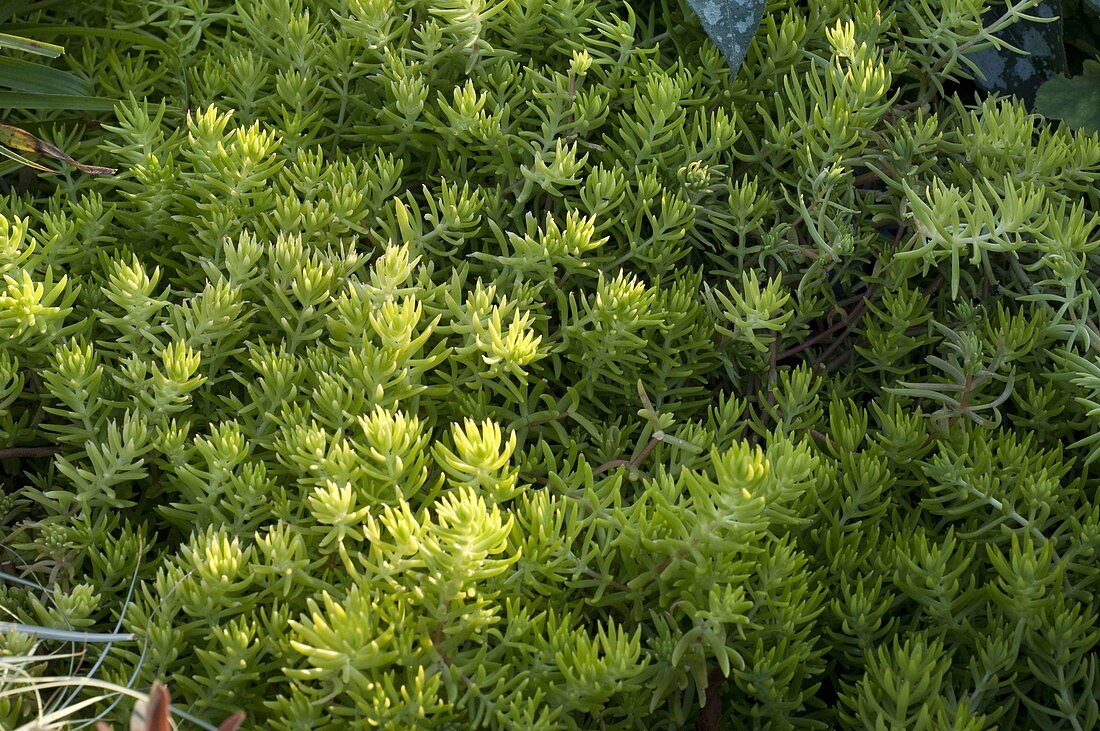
(29, 45)
(136, 37)
(29, 76)
(64, 635)
(15, 156)
(31, 100)
(22, 140)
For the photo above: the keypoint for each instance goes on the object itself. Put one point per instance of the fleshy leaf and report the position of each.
(1075, 100)
(731, 24)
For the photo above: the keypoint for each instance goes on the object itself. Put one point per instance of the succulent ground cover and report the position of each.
(493, 364)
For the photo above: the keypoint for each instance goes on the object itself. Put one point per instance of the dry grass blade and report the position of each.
(154, 713)
(233, 722)
(153, 716)
(20, 139)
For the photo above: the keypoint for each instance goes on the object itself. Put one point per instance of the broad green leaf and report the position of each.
(1037, 53)
(731, 24)
(1076, 100)
(79, 102)
(22, 75)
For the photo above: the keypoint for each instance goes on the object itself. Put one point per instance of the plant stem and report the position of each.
(29, 452)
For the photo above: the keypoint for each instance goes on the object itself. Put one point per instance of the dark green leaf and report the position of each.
(78, 102)
(1076, 101)
(731, 24)
(1005, 71)
(134, 37)
(11, 8)
(22, 75)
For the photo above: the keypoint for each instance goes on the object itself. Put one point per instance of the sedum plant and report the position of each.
(466, 364)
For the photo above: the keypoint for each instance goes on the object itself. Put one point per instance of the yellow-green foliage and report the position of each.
(507, 364)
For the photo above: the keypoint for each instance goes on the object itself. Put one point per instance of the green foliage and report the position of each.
(467, 364)
(1074, 100)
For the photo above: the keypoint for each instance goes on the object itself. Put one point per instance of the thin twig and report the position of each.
(631, 463)
(710, 717)
(796, 349)
(28, 452)
(859, 310)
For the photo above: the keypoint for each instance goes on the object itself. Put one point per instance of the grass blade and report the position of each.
(31, 100)
(29, 45)
(19, 580)
(16, 157)
(23, 7)
(51, 718)
(35, 77)
(135, 37)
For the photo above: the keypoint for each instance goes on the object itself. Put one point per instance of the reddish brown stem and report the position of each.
(855, 317)
(796, 349)
(868, 177)
(631, 463)
(710, 718)
(28, 452)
